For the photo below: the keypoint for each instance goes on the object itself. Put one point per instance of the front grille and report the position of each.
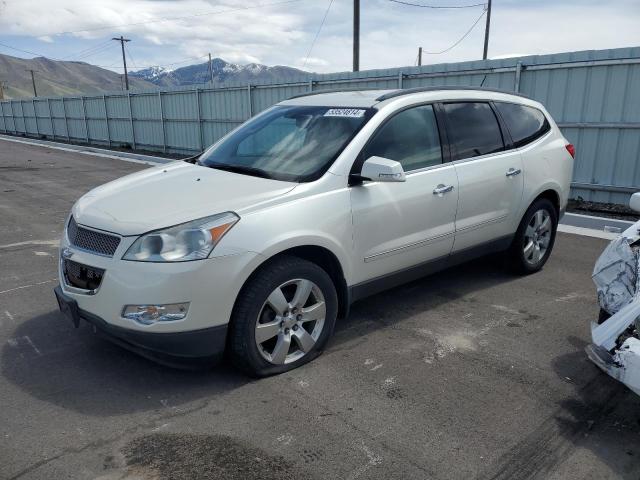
(82, 276)
(92, 241)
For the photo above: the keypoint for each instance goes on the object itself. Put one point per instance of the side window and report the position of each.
(524, 123)
(473, 129)
(410, 137)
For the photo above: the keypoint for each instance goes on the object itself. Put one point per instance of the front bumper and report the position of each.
(172, 348)
(210, 286)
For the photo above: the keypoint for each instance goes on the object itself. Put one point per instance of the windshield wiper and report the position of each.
(256, 172)
(193, 159)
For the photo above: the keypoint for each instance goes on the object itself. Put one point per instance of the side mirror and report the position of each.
(380, 169)
(634, 202)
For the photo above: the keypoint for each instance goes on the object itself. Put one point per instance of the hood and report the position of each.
(171, 194)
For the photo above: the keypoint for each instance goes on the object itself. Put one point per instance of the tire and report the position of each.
(282, 317)
(533, 243)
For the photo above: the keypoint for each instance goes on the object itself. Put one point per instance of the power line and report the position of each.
(165, 19)
(437, 6)
(459, 40)
(133, 62)
(318, 32)
(64, 59)
(27, 51)
(88, 50)
(156, 65)
(96, 51)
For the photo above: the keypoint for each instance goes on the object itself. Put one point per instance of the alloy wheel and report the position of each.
(537, 237)
(290, 321)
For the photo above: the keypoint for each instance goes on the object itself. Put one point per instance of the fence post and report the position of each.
(24, 118)
(133, 132)
(66, 122)
(4, 122)
(516, 83)
(400, 78)
(53, 124)
(164, 135)
(84, 117)
(13, 117)
(106, 119)
(199, 119)
(35, 116)
(250, 101)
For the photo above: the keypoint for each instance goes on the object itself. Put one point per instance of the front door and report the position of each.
(400, 225)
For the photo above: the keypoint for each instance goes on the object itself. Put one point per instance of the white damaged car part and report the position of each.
(616, 339)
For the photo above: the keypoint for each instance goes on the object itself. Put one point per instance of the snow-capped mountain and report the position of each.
(150, 73)
(222, 72)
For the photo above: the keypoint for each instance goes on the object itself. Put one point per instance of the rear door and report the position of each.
(490, 176)
(399, 225)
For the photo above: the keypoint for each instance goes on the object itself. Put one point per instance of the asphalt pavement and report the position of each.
(469, 374)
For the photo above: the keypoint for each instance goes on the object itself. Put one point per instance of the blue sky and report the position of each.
(175, 33)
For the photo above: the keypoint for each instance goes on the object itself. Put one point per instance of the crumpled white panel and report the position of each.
(627, 357)
(616, 275)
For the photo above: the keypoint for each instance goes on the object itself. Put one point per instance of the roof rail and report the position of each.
(337, 90)
(409, 91)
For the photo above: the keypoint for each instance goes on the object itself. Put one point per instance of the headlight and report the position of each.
(188, 241)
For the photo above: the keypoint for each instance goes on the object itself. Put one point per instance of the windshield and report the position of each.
(292, 143)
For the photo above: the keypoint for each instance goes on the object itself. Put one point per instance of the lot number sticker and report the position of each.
(345, 112)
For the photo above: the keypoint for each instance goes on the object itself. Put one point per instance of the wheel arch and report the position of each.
(319, 255)
(553, 196)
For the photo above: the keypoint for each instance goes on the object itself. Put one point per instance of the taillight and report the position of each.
(571, 149)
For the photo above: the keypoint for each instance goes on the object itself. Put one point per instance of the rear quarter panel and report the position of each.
(547, 165)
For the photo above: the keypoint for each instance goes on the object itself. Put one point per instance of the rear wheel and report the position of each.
(534, 238)
(283, 318)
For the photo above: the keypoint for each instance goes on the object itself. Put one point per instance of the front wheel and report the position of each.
(283, 317)
(534, 238)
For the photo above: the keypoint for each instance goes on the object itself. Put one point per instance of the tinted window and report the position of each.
(473, 129)
(410, 137)
(525, 124)
(295, 143)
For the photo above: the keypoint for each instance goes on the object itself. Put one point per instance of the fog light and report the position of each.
(148, 314)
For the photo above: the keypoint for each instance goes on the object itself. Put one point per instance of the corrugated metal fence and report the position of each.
(593, 95)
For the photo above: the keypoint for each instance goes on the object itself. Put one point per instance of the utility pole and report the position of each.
(33, 82)
(124, 59)
(419, 56)
(1, 90)
(486, 31)
(356, 35)
(210, 70)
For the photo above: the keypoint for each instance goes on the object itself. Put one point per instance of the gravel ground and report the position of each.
(472, 373)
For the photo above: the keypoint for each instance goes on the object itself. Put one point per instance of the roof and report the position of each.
(369, 98)
(337, 98)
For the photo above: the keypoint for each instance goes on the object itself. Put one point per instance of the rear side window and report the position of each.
(525, 123)
(473, 129)
(410, 137)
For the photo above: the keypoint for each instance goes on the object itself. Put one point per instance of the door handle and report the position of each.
(441, 189)
(512, 172)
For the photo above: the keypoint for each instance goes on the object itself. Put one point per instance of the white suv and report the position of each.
(269, 236)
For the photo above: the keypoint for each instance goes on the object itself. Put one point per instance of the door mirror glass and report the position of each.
(634, 202)
(380, 169)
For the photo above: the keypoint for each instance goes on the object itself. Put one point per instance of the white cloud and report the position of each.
(282, 34)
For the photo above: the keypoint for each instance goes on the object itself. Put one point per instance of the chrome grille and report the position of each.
(82, 276)
(92, 241)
